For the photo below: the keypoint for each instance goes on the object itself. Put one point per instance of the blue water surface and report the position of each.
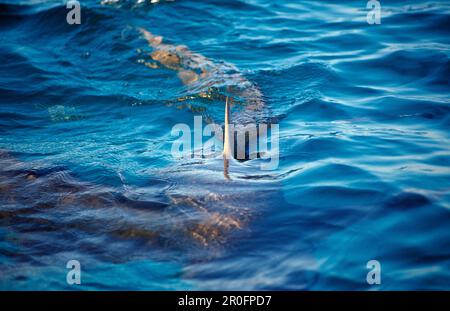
(87, 171)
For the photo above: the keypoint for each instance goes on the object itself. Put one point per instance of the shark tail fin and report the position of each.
(152, 39)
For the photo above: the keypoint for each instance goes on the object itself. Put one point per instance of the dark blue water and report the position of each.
(86, 170)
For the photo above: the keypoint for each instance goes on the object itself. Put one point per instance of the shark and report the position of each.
(202, 209)
(200, 213)
(205, 78)
(203, 75)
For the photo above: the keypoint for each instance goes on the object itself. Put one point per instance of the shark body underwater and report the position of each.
(201, 208)
(205, 79)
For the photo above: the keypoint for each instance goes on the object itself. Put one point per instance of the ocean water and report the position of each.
(87, 173)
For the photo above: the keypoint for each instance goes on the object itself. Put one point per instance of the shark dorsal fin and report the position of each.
(227, 154)
(226, 138)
